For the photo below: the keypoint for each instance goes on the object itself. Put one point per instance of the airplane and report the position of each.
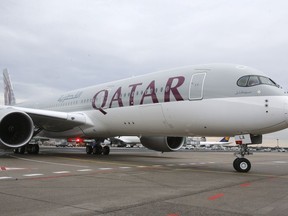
(162, 108)
(126, 140)
(223, 142)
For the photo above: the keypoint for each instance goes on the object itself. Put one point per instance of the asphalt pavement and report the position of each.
(66, 181)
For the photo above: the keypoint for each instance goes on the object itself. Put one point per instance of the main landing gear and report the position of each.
(242, 164)
(97, 149)
(29, 148)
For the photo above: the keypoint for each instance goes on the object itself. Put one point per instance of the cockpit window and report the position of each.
(252, 80)
(267, 81)
(243, 81)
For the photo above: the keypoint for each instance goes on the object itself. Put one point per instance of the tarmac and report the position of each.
(66, 181)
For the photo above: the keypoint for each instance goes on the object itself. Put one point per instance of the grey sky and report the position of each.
(51, 46)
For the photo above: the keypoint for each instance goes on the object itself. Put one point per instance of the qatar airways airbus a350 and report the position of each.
(162, 108)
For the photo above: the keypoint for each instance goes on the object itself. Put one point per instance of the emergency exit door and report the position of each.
(197, 86)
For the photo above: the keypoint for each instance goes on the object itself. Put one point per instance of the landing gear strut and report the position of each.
(242, 164)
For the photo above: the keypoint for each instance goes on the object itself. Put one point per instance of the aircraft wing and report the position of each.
(53, 121)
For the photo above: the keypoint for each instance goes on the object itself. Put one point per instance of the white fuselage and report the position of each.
(203, 101)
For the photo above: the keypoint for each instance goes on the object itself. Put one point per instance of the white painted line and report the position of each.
(5, 177)
(156, 165)
(124, 167)
(170, 165)
(192, 163)
(84, 170)
(48, 162)
(32, 175)
(141, 166)
(183, 164)
(105, 168)
(61, 172)
(280, 162)
(211, 162)
(15, 168)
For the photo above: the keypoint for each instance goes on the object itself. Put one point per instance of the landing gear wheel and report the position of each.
(22, 150)
(106, 150)
(242, 165)
(32, 148)
(236, 164)
(89, 149)
(97, 150)
(37, 148)
(16, 151)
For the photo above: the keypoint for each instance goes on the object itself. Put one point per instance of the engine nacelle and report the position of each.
(163, 144)
(16, 128)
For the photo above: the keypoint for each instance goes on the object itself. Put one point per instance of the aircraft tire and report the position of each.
(37, 148)
(242, 165)
(16, 150)
(89, 149)
(236, 164)
(33, 149)
(97, 150)
(106, 150)
(22, 150)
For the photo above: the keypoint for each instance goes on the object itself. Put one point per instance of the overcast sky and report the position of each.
(58, 45)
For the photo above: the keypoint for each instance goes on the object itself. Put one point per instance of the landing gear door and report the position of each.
(197, 86)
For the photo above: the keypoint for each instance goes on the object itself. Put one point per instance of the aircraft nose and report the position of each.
(286, 110)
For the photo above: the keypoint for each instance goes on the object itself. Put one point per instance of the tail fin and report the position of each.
(9, 98)
(225, 139)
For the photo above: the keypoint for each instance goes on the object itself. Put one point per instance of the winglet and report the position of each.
(9, 98)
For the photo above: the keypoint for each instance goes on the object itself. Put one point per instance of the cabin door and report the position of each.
(197, 86)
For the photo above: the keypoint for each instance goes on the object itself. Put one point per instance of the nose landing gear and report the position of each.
(242, 164)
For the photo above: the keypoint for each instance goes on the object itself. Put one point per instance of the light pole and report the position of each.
(277, 143)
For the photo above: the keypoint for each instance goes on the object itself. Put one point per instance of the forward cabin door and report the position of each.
(197, 86)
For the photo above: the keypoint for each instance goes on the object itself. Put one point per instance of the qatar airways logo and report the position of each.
(170, 90)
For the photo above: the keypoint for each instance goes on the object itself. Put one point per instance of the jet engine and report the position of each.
(163, 144)
(16, 128)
